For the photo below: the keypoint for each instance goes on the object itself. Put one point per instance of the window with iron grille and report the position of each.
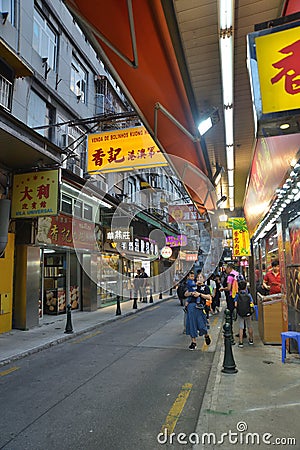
(5, 93)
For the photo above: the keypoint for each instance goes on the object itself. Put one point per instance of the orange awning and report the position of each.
(136, 47)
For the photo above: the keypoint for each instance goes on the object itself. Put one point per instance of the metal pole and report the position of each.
(69, 327)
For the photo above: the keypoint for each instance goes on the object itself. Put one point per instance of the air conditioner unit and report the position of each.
(77, 170)
(102, 185)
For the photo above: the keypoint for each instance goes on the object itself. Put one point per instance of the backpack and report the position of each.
(235, 284)
(182, 287)
(244, 308)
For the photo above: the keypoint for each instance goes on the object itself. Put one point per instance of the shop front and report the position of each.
(68, 246)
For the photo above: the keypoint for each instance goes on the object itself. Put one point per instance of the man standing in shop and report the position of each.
(144, 284)
(272, 280)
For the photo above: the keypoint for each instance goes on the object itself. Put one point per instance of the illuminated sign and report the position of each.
(278, 60)
(240, 236)
(123, 149)
(180, 240)
(35, 194)
(186, 213)
(166, 252)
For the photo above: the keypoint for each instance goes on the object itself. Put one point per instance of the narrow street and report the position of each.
(113, 388)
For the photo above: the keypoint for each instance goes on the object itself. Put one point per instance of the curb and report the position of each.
(67, 337)
(211, 391)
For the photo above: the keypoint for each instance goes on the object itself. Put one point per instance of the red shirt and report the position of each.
(274, 281)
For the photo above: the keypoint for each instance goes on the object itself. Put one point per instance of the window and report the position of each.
(5, 93)
(8, 6)
(78, 208)
(66, 204)
(88, 212)
(39, 114)
(78, 80)
(44, 40)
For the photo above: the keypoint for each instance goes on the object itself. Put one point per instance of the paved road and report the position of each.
(113, 388)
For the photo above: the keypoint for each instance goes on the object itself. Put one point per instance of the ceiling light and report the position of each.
(284, 126)
(205, 125)
(230, 178)
(230, 157)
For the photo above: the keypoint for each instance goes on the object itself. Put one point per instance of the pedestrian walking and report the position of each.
(144, 284)
(196, 320)
(137, 285)
(244, 304)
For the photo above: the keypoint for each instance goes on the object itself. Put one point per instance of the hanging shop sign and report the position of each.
(120, 234)
(136, 246)
(240, 236)
(67, 231)
(176, 241)
(191, 256)
(35, 194)
(186, 213)
(278, 68)
(122, 150)
(166, 252)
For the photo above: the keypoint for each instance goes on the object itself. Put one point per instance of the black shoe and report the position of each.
(185, 309)
(207, 339)
(237, 334)
(193, 346)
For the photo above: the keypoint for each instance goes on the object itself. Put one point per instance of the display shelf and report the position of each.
(54, 285)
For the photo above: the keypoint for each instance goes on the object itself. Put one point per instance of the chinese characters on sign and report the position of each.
(136, 245)
(185, 213)
(66, 231)
(123, 149)
(119, 235)
(180, 240)
(278, 62)
(35, 194)
(289, 68)
(240, 236)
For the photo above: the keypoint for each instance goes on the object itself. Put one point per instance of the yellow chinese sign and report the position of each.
(278, 60)
(121, 150)
(240, 236)
(35, 194)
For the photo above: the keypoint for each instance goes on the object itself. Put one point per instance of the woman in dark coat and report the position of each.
(196, 321)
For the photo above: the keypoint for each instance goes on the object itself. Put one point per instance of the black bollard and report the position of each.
(134, 306)
(151, 297)
(69, 327)
(160, 296)
(118, 311)
(228, 319)
(130, 294)
(170, 291)
(228, 362)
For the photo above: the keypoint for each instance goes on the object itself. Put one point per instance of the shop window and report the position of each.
(66, 204)
(44, 40)
(88, 212)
